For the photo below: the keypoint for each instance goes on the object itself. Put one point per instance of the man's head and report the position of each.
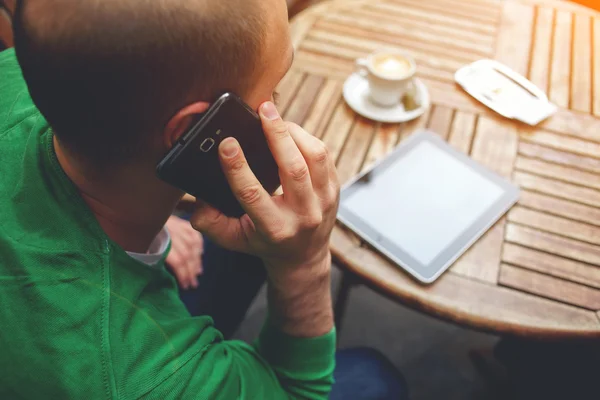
(117, 80)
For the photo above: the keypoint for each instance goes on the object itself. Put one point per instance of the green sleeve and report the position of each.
(277, 367)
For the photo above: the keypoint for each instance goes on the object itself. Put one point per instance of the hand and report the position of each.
(288, 231)
(185, 257)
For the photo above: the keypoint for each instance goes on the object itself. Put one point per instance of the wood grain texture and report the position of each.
(338, 129)
(550, 287)
(302, 103)
(410, 127)
(462, 131)
(327, 99)
(440, 120)
(564, 208)
(552, 243)
(287, 89)
(516, 22)
(548, 246)
(464, 11)
(355, 149)
(559, 157)
(419, 36)
(554, 224)
(558, 189)
(560, 67)
(581, 78)
(540, 56)
(574, 124)
(563, 143)
(385, 140)
(558, 172)
(495, 146)
(596, 67)
(470, 302)
(482, 260)
(551, 264)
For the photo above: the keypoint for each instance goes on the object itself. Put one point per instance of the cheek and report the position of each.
(262, 91)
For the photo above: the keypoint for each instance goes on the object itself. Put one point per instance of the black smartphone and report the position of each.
(193, 165)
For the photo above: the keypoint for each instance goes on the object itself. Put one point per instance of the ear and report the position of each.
(181, 121)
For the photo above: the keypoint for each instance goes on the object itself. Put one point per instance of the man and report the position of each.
(88, 308)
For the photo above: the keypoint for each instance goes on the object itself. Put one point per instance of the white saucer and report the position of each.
(356, 95)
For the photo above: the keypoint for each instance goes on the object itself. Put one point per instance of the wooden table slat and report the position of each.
(415, 24)
(557, 172)
(560, 75)
(581, 78)
(549, 244)
(449, 21)
(550, 287)
(331, 29)
(573, 124)
(287, 89)
(559, 189)
(540, 152)
(327, 99)
(551, 264)
(355, 149)
(555, 224)
(410, 127)
(419, 36)
(563, 143)
(564, 208)
(495, 146)
(365, 46)
(440, 120)
(473, 302)
(552, 243)
(338, 129)
(350, 55)
(513, 43)
(457, 11)
(385, 140)
(540, 59)
(482, 260)
(462, 131)
(302, 103)
(596, 67)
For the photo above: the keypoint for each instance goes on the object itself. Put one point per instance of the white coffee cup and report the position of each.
(389, 74)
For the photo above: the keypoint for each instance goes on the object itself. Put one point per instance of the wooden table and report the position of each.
(536, 273)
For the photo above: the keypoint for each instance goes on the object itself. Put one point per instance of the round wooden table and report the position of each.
(536, 273)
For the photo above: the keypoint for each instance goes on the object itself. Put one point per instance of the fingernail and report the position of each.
(229, 147)
(269, 111)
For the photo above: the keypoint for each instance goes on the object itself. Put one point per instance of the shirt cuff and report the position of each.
(301, 355)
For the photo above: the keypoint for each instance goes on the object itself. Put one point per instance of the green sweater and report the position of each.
(79, 318)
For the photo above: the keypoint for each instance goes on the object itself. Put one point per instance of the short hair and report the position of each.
(107, 74)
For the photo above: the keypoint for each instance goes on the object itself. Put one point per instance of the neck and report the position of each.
(130, 205)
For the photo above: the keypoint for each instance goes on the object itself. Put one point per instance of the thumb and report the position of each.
(272, 123)
(225, 231)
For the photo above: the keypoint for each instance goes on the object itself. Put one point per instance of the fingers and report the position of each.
(253, 198)
(293, 170)
(225, 231)
(317, 158)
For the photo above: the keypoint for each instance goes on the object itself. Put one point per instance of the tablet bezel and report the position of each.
(430, 272)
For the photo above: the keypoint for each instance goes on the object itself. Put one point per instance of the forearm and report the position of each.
(300, 299)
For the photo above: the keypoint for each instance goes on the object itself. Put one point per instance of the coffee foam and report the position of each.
(391, 65)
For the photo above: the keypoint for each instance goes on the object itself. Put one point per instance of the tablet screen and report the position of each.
(425, 203)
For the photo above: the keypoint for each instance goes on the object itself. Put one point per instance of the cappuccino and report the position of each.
(391, 66)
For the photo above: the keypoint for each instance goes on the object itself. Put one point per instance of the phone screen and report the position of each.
(193, 165)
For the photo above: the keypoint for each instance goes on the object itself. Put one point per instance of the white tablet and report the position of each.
(425, 204)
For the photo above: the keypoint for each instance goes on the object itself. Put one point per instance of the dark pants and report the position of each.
(228, 286)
